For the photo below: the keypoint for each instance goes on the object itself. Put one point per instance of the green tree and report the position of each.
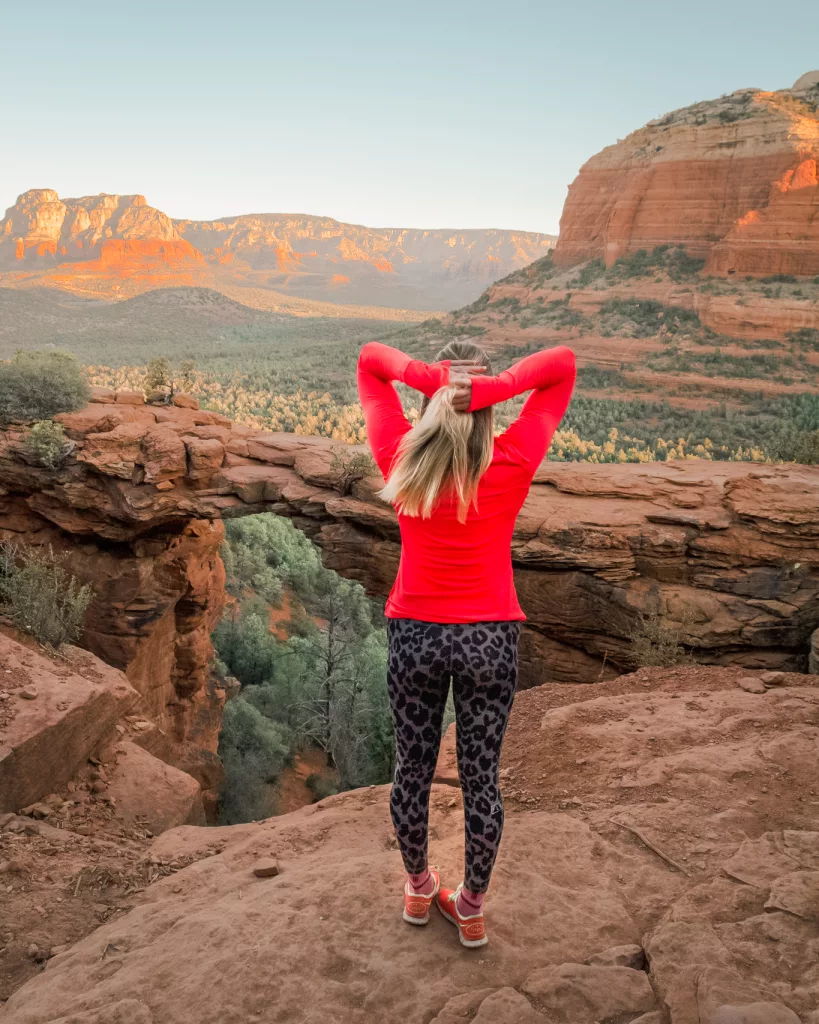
(38, 385)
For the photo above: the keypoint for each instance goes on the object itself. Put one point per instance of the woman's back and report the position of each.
(462, 572)
(453, 571)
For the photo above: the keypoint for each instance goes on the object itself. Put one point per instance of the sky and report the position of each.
(415, 114)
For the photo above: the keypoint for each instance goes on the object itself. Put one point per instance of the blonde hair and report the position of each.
(446, 450)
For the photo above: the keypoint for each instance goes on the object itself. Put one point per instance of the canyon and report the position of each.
(725, 552)
(114, 247)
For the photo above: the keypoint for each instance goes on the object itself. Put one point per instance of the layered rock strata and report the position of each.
(94, 243)
(726, 553)
(733, 181)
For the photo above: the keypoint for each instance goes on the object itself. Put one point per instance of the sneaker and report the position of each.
(417, 904)
(471, 930)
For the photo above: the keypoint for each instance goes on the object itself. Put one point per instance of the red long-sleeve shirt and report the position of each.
(451, 571)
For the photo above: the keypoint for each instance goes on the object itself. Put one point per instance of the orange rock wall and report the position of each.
(732, 181)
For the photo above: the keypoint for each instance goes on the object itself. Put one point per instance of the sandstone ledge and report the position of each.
(730, 548)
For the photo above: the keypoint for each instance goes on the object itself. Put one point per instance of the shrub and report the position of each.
(320, 786)
(591, 272)
(162, 381)
(38, 385)
(780, 279)
(673, 260)
(46, 444)
(41, 596)
(655, 643)
(646, 317)
(805, 337)
(254, 752)
(351, 467)
(794, 445)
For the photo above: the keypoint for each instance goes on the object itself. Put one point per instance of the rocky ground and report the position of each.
(660, 865)
(88, 797)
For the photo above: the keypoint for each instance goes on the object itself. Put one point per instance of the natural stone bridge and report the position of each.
(731, 549)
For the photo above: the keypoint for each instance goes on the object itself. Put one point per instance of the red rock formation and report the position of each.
(134, 256)
(53, 716)
(733, 180)
(664, 819)
(101, 241)
(595, 545)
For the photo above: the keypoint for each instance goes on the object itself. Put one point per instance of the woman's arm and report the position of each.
(551, 374)
(378, 366)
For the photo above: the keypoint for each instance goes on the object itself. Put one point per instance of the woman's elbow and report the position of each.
(569, 360)
(366, 350)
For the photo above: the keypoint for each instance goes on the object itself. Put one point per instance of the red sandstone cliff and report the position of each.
(732, 180)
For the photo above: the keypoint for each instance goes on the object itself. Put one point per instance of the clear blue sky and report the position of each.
(456, 113)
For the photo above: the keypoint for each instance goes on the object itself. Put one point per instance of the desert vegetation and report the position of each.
(309, 651)
(40, 595)
(38, 385)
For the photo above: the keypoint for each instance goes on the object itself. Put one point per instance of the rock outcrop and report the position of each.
(725, 554)
(732, 180)
(94, 244)
(52, 716)
(659, 865)
(59, 711)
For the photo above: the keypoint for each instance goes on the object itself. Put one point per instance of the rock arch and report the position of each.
(732, 548)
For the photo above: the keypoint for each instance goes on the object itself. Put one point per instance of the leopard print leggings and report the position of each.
(481, 658)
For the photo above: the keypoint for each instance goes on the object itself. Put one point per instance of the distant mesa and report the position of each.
(732, 180)
(116, 246)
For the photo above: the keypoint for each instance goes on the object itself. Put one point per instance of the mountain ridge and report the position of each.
(116, 246)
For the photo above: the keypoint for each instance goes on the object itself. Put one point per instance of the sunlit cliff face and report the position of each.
(60, 243)
(733, 180)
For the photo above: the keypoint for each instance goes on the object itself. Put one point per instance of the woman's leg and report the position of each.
(484, 677)
(418, 681)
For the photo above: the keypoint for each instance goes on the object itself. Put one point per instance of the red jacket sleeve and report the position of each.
(378, 366)
(551, 374)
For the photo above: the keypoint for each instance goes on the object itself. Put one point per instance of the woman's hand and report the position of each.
(461, 372)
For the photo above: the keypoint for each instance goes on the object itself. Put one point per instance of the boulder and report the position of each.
(125, 397)
(796, 893)
(205, 455)
(752, 684)
(506, 1006)
(753, 1013)
(153, 792)
(164, 455)
(619, 956)
(718, 995)
(49, 738)
(581, 994)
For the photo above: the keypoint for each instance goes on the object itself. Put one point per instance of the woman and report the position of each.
(453, 612)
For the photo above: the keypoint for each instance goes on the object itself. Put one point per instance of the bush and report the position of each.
(320, 786)
(254, 752)
(657, 644)
(46, 444)
(40, 595)
(38, 385)
(794, 445)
